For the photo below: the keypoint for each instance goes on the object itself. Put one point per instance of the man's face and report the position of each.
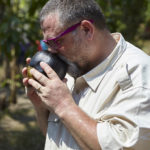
(69, 47)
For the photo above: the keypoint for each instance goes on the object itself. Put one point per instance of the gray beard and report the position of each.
(73, 69)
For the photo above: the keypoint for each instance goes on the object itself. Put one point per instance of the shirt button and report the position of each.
(56, 120)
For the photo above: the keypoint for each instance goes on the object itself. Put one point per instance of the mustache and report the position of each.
(73, 69)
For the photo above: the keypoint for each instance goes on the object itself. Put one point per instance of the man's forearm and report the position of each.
(42, 119)
(81, 126)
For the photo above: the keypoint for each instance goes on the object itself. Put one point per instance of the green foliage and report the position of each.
(8, 81)
(19, 31)
(20, 21)
(148, 12)
(35, 6)
(125, 16)
(19, 26)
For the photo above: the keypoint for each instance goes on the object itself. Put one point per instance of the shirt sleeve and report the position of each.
(115, 134)
(126, 124)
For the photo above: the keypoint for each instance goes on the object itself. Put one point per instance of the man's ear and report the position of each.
(88, 28)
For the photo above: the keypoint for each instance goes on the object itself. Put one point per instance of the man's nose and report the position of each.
(52, 50)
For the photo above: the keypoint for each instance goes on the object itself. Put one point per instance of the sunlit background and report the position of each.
(20, 36)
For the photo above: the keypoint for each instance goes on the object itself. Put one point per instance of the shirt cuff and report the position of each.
(114, 137)
(106, 139)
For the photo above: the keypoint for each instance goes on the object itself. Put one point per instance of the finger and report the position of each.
(28, 60)
(48, 70)
(42, 79)
(25, 81)
(24, 72)
(36, 85)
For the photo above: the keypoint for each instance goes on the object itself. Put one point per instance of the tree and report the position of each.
(18, 32)
(125, 16)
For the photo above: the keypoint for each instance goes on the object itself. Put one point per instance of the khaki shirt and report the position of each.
(116, 93)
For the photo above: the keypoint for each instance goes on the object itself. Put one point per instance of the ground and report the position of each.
(18, 127)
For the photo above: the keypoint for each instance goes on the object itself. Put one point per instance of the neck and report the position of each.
(104, 44)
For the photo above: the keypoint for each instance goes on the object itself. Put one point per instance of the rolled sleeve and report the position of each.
(115, 134)
(126, 125)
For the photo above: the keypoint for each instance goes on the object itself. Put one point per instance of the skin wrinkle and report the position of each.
(74, 69)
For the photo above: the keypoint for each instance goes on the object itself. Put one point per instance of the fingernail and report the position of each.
(41, 62)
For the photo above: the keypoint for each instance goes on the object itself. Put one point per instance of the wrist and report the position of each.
(41, 110)
(64, 107)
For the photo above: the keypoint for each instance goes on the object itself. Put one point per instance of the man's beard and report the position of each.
(73, 68)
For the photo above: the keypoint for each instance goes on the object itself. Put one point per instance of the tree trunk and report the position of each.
(4, 91)
(13, 70)
(6, 66)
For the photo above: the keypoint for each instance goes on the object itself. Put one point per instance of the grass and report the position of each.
(29, 139)
(18, 128)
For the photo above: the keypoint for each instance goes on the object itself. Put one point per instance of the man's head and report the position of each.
(73, 11)
(71, 28)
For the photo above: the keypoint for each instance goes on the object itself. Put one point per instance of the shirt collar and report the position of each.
(95, 76)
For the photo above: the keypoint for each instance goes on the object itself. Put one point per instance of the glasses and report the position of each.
(54, 43)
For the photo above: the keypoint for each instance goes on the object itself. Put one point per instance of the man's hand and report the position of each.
(42, 112)
(56, 96)
(52, 91)
(30, 91)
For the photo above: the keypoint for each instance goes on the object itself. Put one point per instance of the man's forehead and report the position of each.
(50, 22)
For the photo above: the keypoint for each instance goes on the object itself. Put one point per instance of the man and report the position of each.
(108, 105)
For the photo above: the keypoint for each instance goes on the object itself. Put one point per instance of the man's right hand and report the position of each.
(42, 112)
(30, 91)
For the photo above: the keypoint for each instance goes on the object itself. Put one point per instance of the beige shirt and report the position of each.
(116, 93)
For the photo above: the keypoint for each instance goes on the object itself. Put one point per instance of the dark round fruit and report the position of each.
(57, 64)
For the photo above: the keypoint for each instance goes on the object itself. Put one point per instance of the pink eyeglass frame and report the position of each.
(54, 40)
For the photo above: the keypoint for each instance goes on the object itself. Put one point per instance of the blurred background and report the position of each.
(20, 36)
